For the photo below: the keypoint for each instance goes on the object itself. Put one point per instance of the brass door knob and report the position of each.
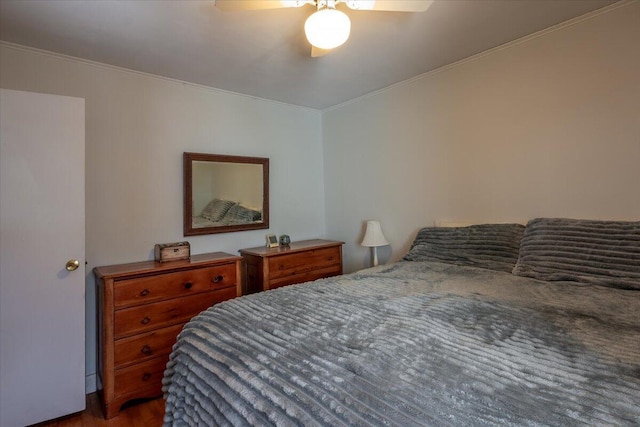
(72, 265)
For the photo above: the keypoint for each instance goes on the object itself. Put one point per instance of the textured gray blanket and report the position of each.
(412, 344)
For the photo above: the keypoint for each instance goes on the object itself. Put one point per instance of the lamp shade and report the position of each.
(373, 236)
(327, 28)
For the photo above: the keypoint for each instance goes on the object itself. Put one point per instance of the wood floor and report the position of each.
(143, 414)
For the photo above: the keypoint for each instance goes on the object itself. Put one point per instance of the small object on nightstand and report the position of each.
(272, 241)
(285, 240)
(172, 251)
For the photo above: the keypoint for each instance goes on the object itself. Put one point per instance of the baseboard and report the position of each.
(90, 383)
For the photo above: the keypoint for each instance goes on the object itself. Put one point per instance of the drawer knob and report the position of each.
(188, 285)
(146, 376)
(217, 279)
(145, 321)
(146, 350)
(144, 292)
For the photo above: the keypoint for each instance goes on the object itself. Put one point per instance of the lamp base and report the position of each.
(375, 256)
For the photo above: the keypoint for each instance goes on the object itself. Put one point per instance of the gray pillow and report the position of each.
(216, 209)
(241, 214)
(588, 251)
(491, 246)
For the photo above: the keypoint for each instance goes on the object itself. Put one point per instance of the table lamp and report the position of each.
(373, 238)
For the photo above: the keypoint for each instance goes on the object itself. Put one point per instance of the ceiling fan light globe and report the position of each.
(327, 28)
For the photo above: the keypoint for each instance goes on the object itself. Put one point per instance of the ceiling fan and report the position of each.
(328, 27)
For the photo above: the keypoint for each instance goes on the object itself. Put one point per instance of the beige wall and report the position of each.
(549, 126)
(138, 126)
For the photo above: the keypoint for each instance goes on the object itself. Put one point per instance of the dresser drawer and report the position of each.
(147, 289)
(141, 376)
(332, 270)
(143, 318)
(299, 263)
(145, 346)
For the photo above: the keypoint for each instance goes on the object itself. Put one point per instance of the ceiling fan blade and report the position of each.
(316, 52)
(237, 5)
(390, 5)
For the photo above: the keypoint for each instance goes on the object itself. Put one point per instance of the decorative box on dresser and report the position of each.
(269, 268)
(141, 309)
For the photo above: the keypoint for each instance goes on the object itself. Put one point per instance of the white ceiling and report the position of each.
(264, 53)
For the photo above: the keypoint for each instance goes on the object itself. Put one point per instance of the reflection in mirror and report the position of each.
(225, 193)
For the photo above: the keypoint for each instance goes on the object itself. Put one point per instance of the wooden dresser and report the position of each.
(142, 307)
(269, 268)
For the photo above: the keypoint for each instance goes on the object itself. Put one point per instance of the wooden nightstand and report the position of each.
(269, 268)
(141, 309)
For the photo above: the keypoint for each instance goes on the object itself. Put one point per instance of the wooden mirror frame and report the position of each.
(188, 159)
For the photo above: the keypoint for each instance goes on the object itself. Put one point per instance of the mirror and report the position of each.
(225, 193)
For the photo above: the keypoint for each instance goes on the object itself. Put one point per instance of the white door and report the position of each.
(42, 344)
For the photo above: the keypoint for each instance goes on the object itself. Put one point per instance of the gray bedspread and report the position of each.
(412, 344)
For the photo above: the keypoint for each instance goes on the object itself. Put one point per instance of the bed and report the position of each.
(483, 325)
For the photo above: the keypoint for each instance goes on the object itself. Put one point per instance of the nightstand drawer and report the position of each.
(135, 320)
(300, 263)
(143, 375)
(145, 346)
(148, 289)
